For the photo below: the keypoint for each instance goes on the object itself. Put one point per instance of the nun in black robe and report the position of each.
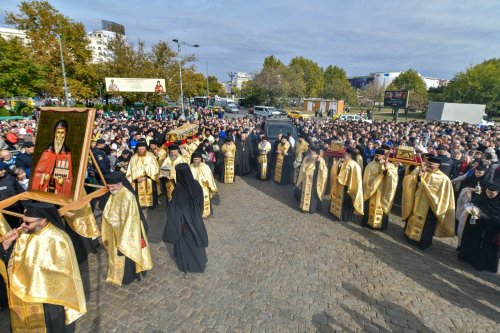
(480, 244)
(184, 227)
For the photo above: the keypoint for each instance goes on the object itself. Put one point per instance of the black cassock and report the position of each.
(184, 227)
(287, 169)
(244, 155)
(480, 244)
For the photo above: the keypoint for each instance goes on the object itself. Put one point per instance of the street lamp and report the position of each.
(63, 70)
(180, 67)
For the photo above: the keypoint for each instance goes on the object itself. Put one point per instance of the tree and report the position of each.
(271, 80)
(415, 85)
(43, 23)
(311, 74)
(479, 84)
(374, 93)
(21, 75)
(214, 86)
(337, 86)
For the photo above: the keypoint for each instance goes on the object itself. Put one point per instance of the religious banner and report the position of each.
(121, 84)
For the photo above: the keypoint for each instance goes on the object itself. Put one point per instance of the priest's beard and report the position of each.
(58, 144)
(113, 192)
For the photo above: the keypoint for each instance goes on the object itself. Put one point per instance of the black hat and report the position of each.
(28, 144)
(379, 152)
(126, 152)
(196, 154)
(206, 140)
(178, 142)
(229, 138)
(114, 177)
(442, 147)
(315, 149)
(100, 142)
(385, 147)
(263, 138)
(153, 142)
(481, 167)
(173, 147)
(351, 152)
(43, 210)
(246, 131)
(141, 144)
(434, 159)
(493, 187)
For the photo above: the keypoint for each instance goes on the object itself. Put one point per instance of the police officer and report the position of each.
(446, 162)
(8, 189)
(24, 160)
(101, 157)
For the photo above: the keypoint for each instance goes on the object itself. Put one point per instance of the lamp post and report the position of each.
(179, 43)
(66, 94)
(208, 91)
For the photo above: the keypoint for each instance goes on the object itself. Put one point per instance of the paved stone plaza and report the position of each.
(274, 269)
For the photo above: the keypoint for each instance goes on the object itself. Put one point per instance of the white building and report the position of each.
(99, 40)
(241, 78)
(9, 33)
(386, 78)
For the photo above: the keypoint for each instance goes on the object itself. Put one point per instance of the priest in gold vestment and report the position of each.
(301, 148)
(346, 197)
(4, 228)
(159, 152)
(124, 233)
(143, 172)
(311, 181)
(380, 181)
(228, 155)
(428, 204)
(44, 286)
(203, 175)
(283, 170)
(168, 169)
(264, 158)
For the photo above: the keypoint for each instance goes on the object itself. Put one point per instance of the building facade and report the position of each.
(9, 33)
(240, 79)
(98, 45)
(384, 79)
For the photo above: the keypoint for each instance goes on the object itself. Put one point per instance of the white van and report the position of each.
(265, 111)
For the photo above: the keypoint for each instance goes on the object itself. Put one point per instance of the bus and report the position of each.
(201, 101)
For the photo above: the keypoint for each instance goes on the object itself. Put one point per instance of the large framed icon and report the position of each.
(60, 160)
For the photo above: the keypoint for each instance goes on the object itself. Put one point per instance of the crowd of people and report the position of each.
(349, 166)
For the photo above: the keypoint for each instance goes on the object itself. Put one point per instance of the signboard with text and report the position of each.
(120, 84)
(396, 99)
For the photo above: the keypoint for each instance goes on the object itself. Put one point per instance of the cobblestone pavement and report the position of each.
(274, 269)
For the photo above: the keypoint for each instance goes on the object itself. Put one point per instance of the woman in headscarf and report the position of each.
(480, 244)
(184, 227)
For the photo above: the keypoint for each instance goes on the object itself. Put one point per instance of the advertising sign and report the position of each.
(396, 99)
(120, 84)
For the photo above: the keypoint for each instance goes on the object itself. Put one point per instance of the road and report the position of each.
(274, 269)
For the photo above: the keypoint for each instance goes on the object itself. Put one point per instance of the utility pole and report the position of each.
(208, 90)
(231, 75)
(66, 94)
(180, 67)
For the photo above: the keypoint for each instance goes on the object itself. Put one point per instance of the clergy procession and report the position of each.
(352, 172)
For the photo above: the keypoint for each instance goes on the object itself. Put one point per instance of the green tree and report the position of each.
(42, 23)
(21, 75)
(479, 84)
(337, 86)
(271, 80)
(214, 86)
(252, 93)
(311, 73)
(415, 85)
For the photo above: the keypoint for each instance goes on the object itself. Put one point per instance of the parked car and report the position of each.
(298, 115)
(231, 108)
(265, 111)
(273, 127)
(354, 117)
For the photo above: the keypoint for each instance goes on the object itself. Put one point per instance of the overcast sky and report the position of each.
(436, 37)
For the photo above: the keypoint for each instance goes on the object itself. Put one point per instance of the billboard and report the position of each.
(120, 84)
(113, 26)
(396, 99)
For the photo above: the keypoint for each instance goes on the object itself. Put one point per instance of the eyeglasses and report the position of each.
(30, 222)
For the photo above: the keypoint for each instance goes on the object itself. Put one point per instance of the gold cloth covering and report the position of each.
(434, 191)
(380, 190)
(305, 181)
(4, 228)
(161, 155)
(349, 175)
(204, 176)
(229, 152)
(170, 183)
(359, 160)
(43, 269)
(147, 166)
(122, 230)
(264, 149)
(83, 222)
(283, 148)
